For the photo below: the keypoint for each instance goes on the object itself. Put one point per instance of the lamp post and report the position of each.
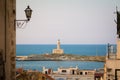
(28, 13)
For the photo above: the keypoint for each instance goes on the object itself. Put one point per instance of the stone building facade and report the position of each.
(7, 39)
(112, 64)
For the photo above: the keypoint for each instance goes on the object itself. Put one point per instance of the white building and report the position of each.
(71, 73)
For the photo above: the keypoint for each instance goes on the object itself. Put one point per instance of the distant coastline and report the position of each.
(62, 57)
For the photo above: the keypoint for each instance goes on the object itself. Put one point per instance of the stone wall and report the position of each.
(8, 37)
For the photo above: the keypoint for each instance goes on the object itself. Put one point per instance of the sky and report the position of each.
(71, 21)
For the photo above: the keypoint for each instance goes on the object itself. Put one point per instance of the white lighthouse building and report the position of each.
(58, 50)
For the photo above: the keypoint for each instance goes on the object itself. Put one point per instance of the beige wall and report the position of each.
(118, 49)
(7, 36)
(115, 64)
(111, 65)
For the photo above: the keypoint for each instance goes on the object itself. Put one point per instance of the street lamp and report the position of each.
(28, 13)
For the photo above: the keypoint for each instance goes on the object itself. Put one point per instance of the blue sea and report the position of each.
(88, 50)
(38, 65)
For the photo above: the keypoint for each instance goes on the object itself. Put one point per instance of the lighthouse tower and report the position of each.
(58, 44)
(58, 50)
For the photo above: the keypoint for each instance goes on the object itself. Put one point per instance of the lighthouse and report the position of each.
(58, 44)
(58, 50)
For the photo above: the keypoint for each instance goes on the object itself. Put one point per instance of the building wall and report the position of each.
(58, 51)
(109, 68)
(118, 49)
(68, 74)
(8, 37)
(73, 77)
(113, 64)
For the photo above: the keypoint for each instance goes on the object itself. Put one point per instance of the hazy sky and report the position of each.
(71, 21)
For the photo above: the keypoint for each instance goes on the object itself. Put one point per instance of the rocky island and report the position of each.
(62, 57)
(59, 55)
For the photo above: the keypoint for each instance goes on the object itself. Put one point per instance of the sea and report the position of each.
(76, 49)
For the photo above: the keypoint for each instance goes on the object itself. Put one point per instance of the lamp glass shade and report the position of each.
(28, 12)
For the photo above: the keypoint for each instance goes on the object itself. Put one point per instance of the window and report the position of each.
(64, 71)
(73, 72)
(85, 73)
(81, 73)
(46, 72)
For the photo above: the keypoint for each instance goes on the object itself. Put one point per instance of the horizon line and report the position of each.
(68, 44)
